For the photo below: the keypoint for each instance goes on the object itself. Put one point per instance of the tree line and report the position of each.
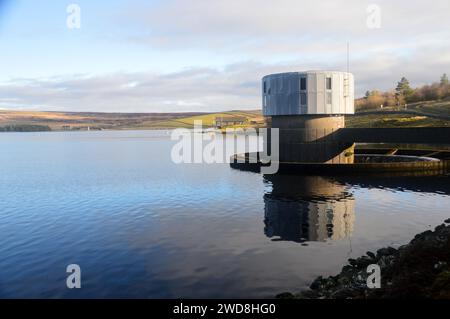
(25, 128)
(404, 94)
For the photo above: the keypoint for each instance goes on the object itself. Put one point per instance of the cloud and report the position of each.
(200, 89)
(235, 86)
(283, 17)
(252, 38)
(306, 26)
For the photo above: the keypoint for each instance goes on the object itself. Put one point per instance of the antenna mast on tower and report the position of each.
(348, 57)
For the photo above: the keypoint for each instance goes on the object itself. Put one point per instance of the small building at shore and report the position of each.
(224, 121)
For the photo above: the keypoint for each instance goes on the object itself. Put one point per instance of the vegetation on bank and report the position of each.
(420, 114)
(405, 94)
(25, 128)
(420, 269)
(393, 120)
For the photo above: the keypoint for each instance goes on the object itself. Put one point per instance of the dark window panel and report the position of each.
(302, 84)
(302, 98)
(328, 83)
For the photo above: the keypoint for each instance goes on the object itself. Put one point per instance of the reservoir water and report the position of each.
(141, 226)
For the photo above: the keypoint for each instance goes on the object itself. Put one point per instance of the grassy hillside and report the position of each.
(439, 108)
(207, 119)
(57, 121)
(393, 120)
(425, 114)
(80, 121)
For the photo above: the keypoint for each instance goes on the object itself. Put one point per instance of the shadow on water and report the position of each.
(301, 208)
(307, 208)
(421, 183)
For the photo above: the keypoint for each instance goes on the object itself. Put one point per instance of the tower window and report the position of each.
(328, 83)
(329, 98)
(265, 87)
(302, 98)
(302, 84)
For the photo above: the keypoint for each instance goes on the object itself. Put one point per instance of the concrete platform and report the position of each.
(365, 164)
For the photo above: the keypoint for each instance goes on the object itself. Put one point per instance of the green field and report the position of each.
(394, 120)
(423, 114)
(207, 119)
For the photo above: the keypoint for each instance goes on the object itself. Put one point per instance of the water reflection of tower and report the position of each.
(307, 208)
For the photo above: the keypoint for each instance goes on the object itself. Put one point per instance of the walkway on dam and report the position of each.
(413, 135)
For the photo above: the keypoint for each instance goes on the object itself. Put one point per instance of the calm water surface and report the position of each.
(142, 226)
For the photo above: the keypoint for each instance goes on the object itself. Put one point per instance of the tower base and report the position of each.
(312, 139)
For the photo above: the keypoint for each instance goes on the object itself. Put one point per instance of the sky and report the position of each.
(209, 55)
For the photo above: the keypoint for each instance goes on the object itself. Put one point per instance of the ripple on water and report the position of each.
(141, 226)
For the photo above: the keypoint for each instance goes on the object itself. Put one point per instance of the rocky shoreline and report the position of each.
(420, 269)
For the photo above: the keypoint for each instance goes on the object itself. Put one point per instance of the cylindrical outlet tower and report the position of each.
(308, 108)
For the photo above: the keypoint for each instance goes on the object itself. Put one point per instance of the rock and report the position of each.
(441, 286)
(385, 261)
(343, 293)
(440, 265)
(361, 262)
(386, 251)
(352, 262)
(316, 284)
(371, 255)
(447, 221)
(423, 235)
(330, 283)
(420, 269)
(285, 295)
(344, 281)
(364, 261)
(310, 294)
(347, 269)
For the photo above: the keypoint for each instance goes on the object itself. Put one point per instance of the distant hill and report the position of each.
(422, 114)
(58, 121)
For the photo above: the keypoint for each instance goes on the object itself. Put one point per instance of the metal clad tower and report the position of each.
(308, 108)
